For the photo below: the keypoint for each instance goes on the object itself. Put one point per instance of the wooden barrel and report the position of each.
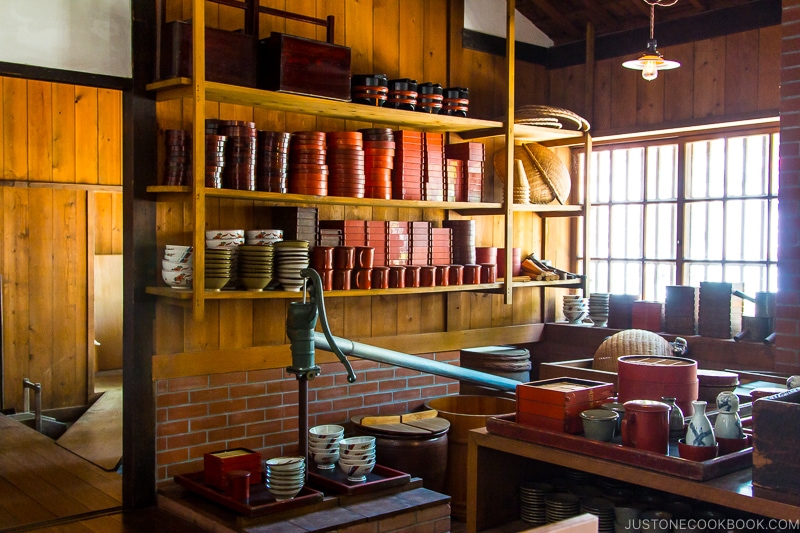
(418, 448)
(504, 361)
(464, 413)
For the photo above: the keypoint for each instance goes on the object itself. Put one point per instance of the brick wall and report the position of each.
(258, 409)
(788, 304)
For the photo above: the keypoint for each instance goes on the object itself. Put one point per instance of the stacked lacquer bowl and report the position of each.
(323, 445)
(285, 476)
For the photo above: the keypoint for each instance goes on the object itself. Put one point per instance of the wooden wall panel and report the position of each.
(679, 85)
(54, 137)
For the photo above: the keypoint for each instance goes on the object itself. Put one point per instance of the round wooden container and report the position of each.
(418, 448)
(712, 382)
(647, 377)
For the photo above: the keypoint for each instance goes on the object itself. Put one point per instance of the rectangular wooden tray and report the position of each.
(667, 464)
(335, 481)
(261, 501)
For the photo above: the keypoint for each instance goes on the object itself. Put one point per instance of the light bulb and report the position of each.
(650, 70)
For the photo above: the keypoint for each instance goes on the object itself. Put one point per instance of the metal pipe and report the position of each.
(27, 386)
(303, 415)
(382, 355)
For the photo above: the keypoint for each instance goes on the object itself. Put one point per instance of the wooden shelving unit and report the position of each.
(199, 91)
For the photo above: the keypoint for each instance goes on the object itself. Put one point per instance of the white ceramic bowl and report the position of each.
(325, 460)
(264, 234)
(357, 443)
(367, 455)
(224, 234)
(178, 254)
(224, 243)
(356, 473)
(176, 267)
(327, 431)
(285, 464)
(284, 493)
(286, 477)
(178, 279)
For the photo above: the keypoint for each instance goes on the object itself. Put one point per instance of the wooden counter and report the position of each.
(496, 465)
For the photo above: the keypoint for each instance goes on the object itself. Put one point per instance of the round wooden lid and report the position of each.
(715, 378)
(424, 428)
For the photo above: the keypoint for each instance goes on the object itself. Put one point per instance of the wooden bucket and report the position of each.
(464, 413)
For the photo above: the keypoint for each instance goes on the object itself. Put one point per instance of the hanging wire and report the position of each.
(653, 4)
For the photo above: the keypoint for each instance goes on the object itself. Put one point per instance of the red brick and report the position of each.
(209, 395)
(284, 411)
(227, 406)
(161, 444)
(406, 394)
(250, 389)
(350, 402)
(290, 424)
(197, 452)
(188, 383)
(379, 375)
(281, 386)
(333, 392)
(280, 438)
(320, 407)
(363, 364)
(162, 386)
(187, 411)
(267, 374)
(208, 422)
(421, 381)
(393, 408)
(375, 399)
(432, 513)
(442, 525)
(172, 456)
(264, 428)
(172, 428)
(218, 380)
(290, 397)
(251, 443)
(325, 418)
(399, 522)
(322, 382)
(225, 434)
(161, 415)
(363, 527)
(245, 417)
(267, 400)
(362, 388)
(392, 384)
(186, 440)
(434, 392)
(184, 468)
(168, 400)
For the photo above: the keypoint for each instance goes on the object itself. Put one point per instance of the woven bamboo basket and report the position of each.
(629, 342)
(548, 176)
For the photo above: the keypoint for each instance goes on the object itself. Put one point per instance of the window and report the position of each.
(684, 210)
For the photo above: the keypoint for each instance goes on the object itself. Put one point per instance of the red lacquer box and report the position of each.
(216, 466)
(556, 404)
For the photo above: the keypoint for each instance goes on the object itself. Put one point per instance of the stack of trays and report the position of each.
(297, 223)
(455, 102)
(429, 98)
(369, 89)
(441, 246)
(620, 311)
(178, 151)
(256, 266)
(433, 164)
(240, 154)
(559, 506)
(377, 231)
(419, 242)
(556, 404)
(407, 172)
(353, 232)
(454, 179)
(397, 243)
(215, 159)
(468, 186)
(603, 509)
(680, 310)
(273, 161)
(345, 159)
(308, 170)
(379, 149)
(402, 94)
(532, 501)
(463, 240)
(330, 237)
(718, 313)
(290, 258)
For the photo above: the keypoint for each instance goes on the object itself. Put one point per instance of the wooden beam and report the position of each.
(699, 4)
(642, 7)
(609, 23)
(558, 18)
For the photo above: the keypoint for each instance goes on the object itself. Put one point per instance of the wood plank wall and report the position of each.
(722, 78)
(61, 154)
(402, 38)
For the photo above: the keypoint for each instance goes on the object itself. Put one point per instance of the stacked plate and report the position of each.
(177, 267)
(272, 161)
(323, 445)
(240, 154)
(532, 495)
(226, 239)
(255, 266)
(575, 308)
(560, 506)
(219, 268)
(598, 308)
(177, 158)
(285, 476)
(603, 509)
(345, 159)
(215, 159)
(378, 162)
(357, 457)
(290, 258)
(308, 172)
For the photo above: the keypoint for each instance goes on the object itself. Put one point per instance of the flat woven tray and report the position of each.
(562, 118)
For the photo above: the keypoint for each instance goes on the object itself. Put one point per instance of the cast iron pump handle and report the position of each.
(316, 293)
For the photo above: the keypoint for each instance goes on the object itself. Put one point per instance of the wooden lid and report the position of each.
(425, 428)
(716, 378)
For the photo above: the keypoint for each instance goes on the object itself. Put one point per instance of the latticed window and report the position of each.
(683, 210)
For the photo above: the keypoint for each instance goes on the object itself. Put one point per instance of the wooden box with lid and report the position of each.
(556, 404)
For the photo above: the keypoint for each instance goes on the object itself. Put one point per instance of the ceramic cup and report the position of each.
(442, 275)
(327, 279)
(472, 274)
(322, 258)
(344, 257)
(380, 277)
(238, 484)
(619, 409)
(427, 276)
(364, 257)
(413, 275)
(456, 274)
(646, 425)
(397, 277)
(341, 279)
(697, 453)
(599, 424)
(362, 278)
(488, 273)
(727, 446)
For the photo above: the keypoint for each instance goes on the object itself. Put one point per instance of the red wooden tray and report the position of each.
(261, 501)
(667, 464)
(336, 481)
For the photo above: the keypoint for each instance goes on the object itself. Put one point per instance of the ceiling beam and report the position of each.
(643, 8)
(699, 4)
(608, 22)
(558, 18)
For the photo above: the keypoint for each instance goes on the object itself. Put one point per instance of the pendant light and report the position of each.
(652, 61)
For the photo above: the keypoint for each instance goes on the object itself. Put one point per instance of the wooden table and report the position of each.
(496, 465)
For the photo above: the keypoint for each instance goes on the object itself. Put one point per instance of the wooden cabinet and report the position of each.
(496, 465)
(196, 92)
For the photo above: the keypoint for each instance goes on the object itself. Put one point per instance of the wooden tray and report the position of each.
(335, 481)
(261, 501)
(667, 464)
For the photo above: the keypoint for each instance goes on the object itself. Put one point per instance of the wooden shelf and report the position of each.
(524, 133)
(280, 198)
(177, 88)
(543, 210)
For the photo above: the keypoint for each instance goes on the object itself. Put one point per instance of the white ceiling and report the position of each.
(489, 16)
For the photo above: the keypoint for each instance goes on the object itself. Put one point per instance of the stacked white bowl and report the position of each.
(177, 266)
(357, 457)
(598, 308)
(323, 445)
(260, 237)
(575, 308)
(285, 476)
(227, 239)
(290, 258)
